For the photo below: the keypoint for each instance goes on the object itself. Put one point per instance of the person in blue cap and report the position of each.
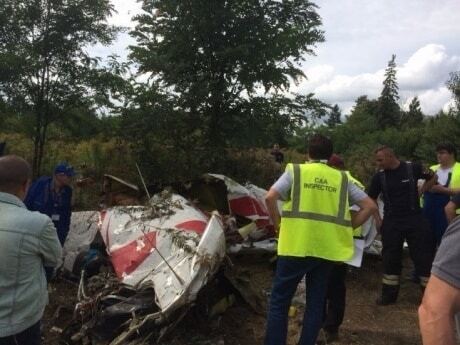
(52, 196)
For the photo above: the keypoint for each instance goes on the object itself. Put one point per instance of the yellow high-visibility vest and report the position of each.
(316, 220)
(354, 180)
(455, 179)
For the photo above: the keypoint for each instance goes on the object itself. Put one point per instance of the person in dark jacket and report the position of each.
(52, 196)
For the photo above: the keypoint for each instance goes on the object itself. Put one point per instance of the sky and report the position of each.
(361, 36)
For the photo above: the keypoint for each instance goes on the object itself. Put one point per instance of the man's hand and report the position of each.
(430, 182)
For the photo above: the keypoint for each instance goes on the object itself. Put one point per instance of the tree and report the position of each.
(413, 117)
(453, 84)
(335, 117)
(227, 61)
(363, 116)
(45, 69)
(389, 111)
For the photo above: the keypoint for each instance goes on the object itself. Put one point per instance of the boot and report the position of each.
(389, 295)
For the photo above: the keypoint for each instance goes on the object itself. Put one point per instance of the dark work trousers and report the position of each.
(416, 231)
(289, 272)
(30, 336)
(335, 298)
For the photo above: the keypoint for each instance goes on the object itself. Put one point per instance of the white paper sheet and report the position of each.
(358, 254)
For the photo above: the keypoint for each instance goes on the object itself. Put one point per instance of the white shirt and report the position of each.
(443, 175)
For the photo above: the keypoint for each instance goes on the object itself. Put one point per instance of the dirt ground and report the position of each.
(365, 323)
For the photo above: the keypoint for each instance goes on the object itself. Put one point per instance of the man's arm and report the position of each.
(450, 211)
(271, 200)
(367, 207)
(430, 179)
(444, 190)
(436, 313)
(451, 208)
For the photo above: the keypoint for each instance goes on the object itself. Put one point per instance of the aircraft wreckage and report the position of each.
(142, 268)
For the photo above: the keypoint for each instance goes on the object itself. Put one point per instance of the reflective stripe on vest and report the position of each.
(296, 213)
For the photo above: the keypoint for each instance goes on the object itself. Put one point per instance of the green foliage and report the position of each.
(413, 117)
(440, 128)
(364, 115)
(224, 64)
(335, 117)
(217, 94)
(46, 73)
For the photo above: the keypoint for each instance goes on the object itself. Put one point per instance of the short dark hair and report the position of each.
(14, 172)
(384, 148)
(320, 147)
(446, 146)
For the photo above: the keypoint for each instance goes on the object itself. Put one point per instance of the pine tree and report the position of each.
(414, 117)
(389, 112)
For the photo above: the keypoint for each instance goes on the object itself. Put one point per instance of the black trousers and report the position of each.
(415, 230)
(335, 298)
(29, 336)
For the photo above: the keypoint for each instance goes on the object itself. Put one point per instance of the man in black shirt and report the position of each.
(403, 220)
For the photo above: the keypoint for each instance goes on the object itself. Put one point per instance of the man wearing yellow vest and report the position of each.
(315, 232)
(434, 200)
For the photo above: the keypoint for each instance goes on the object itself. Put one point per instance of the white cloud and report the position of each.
(125, 10)
(428, 67)
(361, 35)
(423, 74)
(433, 100)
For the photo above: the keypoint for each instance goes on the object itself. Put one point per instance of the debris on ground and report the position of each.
(141, 268)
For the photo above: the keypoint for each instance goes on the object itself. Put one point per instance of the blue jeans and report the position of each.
(30, 336)
(289, 272)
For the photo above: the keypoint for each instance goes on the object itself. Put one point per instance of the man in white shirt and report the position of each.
(434, 200)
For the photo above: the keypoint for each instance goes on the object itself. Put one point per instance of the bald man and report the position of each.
(403, 220)
(28, 242)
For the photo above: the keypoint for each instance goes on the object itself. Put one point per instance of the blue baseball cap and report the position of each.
(64, 168)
